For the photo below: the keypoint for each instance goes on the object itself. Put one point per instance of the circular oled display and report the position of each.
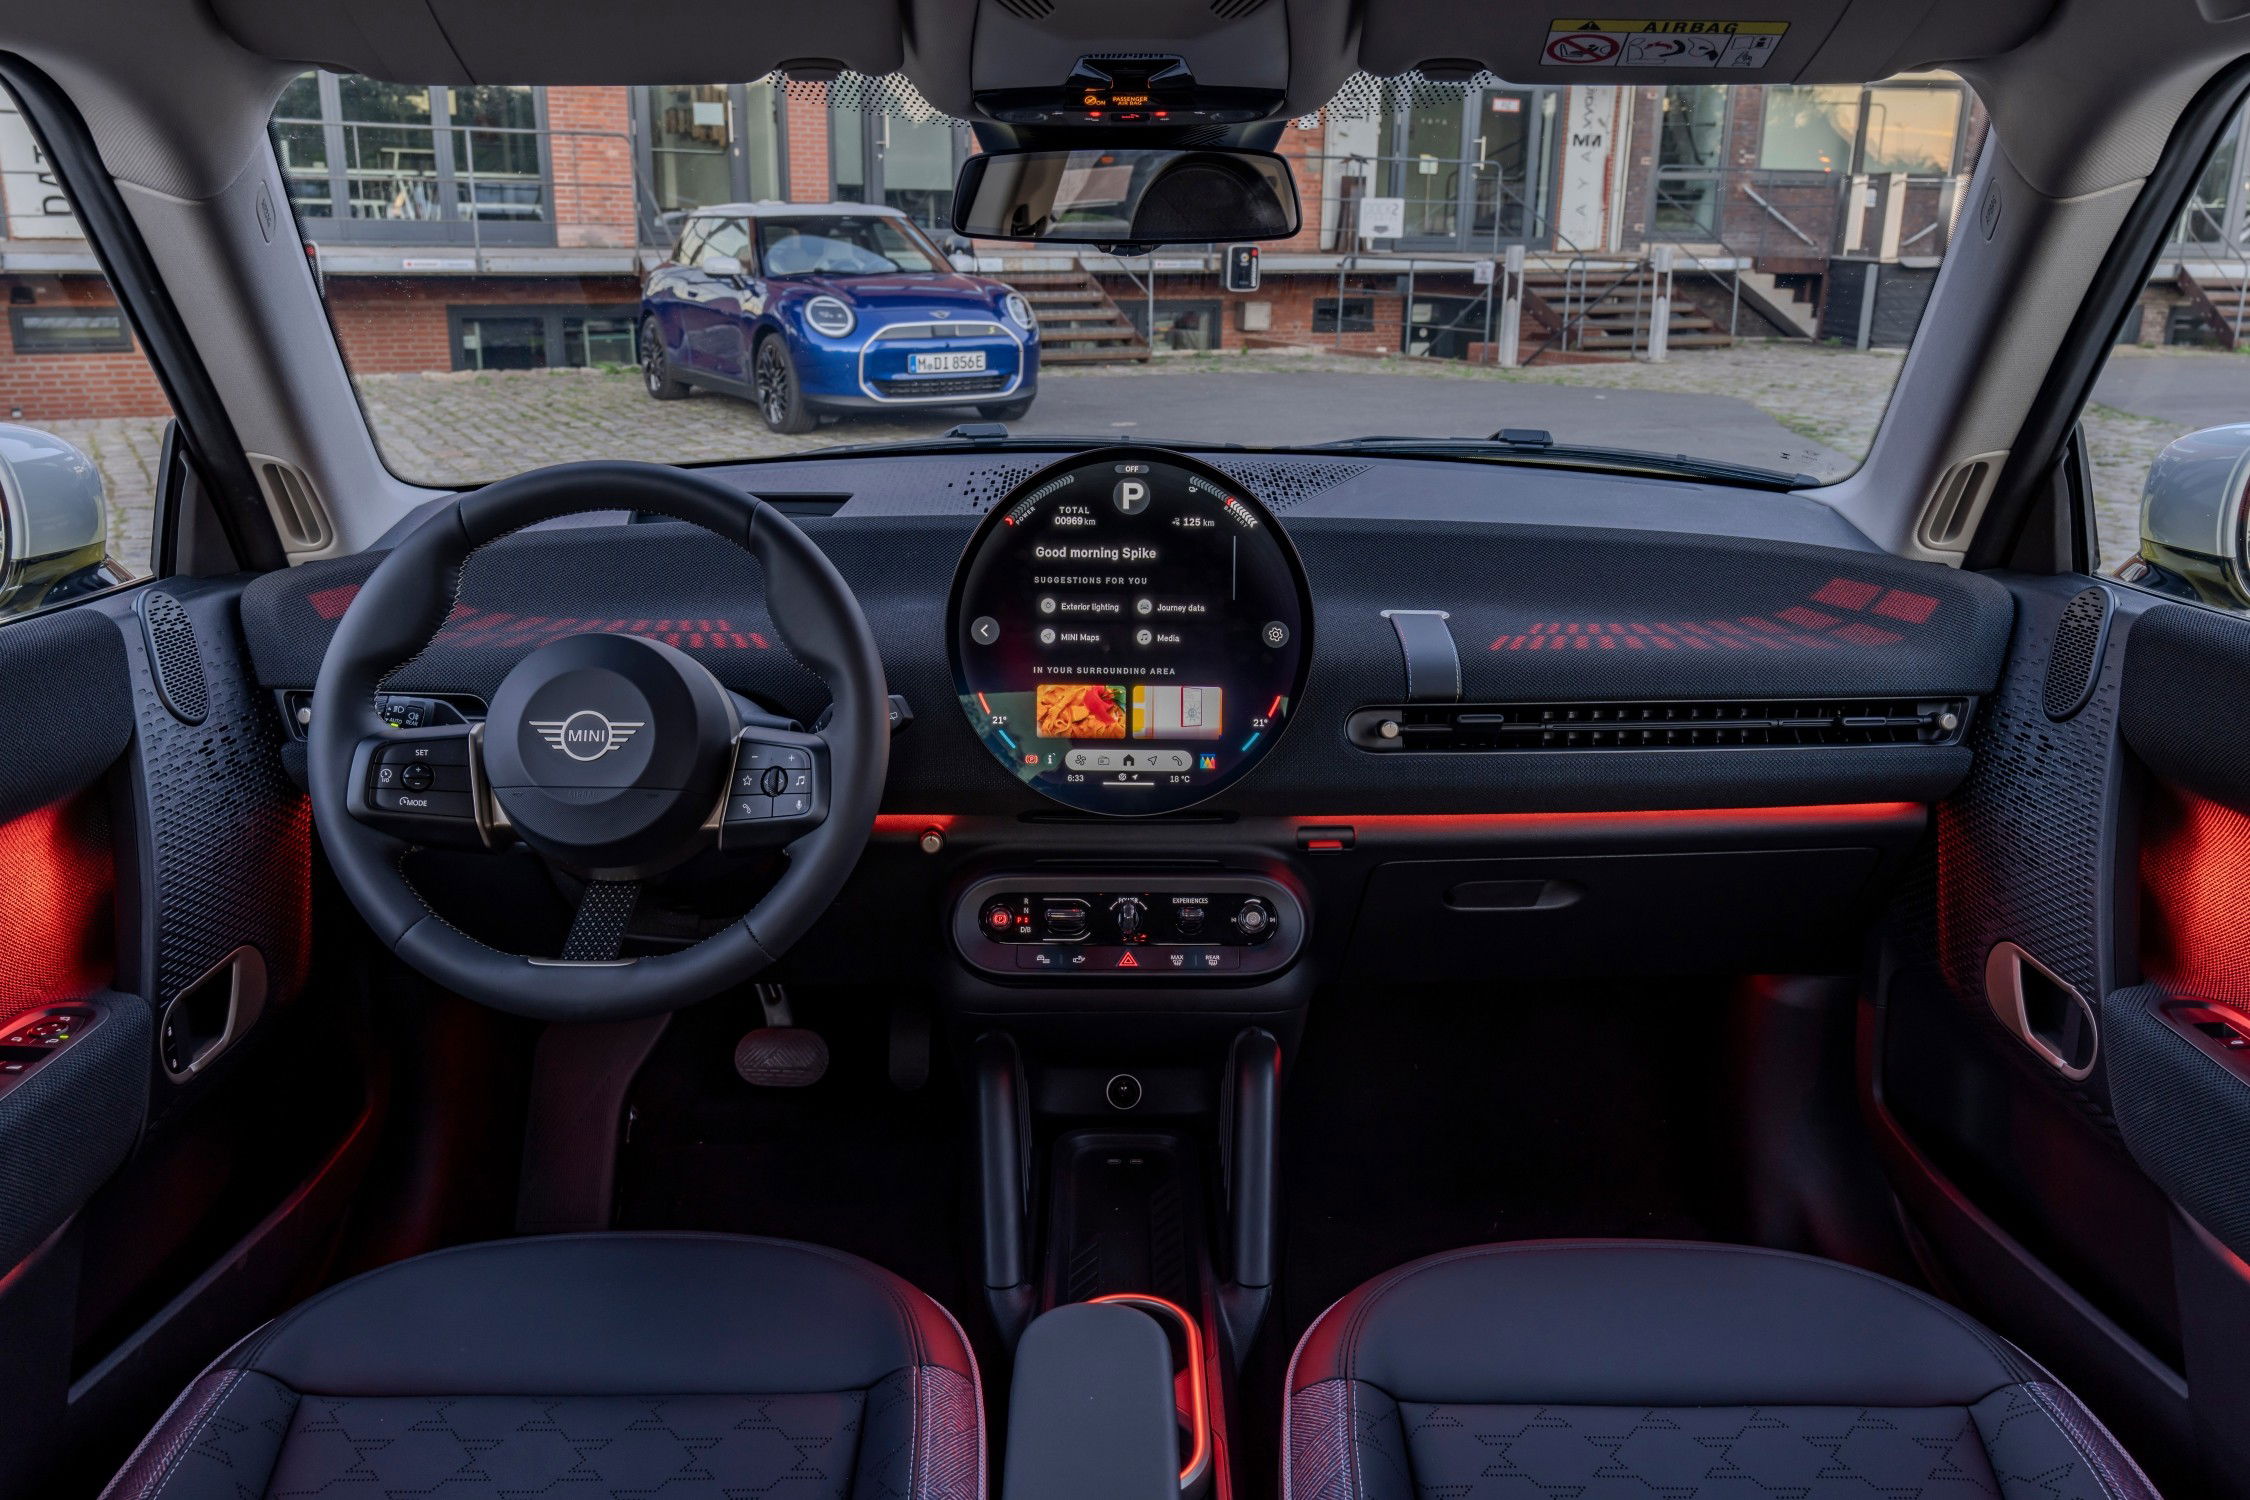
(1130, 631)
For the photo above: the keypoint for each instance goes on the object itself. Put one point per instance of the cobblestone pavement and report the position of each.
(126, 450)
(1794, 406)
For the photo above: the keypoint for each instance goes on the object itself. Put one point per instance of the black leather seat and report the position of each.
(613, 1364)
(1601, 1370)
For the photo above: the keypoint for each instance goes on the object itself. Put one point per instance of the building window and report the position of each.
(536, 337)
(1359, 315)
(706, 144)
(1186, 324)
(68, 329)
(1810, 128)
(1913, 128)
(418, 164)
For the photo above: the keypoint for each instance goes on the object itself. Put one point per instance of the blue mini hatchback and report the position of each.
(820, 307)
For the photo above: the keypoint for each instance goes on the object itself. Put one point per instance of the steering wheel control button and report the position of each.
(1123, 1092)
(773, 781)
(792, 806)
(416, 776)
(749, 809)
(424, 804)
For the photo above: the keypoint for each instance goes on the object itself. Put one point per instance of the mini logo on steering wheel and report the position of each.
(586, 735)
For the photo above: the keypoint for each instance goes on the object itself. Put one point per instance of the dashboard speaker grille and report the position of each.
(2074, 660)
(174, 658)
(1282, 482)
(1794, 723)
(982, 489)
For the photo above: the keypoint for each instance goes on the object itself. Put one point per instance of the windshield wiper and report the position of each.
(1533, 446)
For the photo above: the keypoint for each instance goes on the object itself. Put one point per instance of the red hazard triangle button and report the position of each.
(1126, 960)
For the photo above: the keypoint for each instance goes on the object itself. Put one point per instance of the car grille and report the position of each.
(944, 385)
(942, 331)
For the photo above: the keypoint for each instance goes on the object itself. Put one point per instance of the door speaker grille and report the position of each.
(174, 658)
(2074, 660)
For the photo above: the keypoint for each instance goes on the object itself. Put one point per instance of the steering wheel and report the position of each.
(614, 757)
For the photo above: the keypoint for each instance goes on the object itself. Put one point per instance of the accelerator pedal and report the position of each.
(780, 1054)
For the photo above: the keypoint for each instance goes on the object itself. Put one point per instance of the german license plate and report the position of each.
(946, 364)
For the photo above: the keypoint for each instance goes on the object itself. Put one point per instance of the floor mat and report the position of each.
(1424, 1120)
(850, 1162)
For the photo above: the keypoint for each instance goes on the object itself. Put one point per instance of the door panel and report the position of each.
(68, 1121)
(2103, 831)
(148, 831)
(2180, 1042)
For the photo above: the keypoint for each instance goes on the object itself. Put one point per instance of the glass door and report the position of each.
(894, 159)
(1504, 181)
(1469, 165)
(1426, 170)
(707, 143)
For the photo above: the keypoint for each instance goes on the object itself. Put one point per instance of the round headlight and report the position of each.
(830, 316)
(1018, 309)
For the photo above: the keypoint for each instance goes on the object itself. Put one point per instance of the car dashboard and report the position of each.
(1401, 718)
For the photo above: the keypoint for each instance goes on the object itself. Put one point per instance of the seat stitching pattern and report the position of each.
(184, 1428)
(2095, 1447)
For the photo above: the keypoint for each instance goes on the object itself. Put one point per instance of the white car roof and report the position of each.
(774, 208)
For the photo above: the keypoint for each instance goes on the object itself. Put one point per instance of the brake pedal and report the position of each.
(780, 1054)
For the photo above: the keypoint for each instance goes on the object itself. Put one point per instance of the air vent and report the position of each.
(174, 659)
(1957, 502)
(2074, 660)
(294, 504)
(1234, 10)
(1030, 10)
(1766, 724)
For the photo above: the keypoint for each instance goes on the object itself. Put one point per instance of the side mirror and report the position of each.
(2195, 533)
(53, 521)
(727, 267)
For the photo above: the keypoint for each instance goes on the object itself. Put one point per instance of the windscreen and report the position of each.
(694, 273)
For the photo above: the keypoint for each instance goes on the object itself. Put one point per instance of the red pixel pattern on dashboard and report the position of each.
(1840, 613)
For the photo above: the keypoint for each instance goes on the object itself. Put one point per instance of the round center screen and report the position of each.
(1129, 631)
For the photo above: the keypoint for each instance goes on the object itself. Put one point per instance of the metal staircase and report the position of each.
(1078, 323)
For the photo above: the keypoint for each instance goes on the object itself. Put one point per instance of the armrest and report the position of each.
(1091, 1413)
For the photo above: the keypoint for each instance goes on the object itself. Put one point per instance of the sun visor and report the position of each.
(585, 41)
(1689, 41)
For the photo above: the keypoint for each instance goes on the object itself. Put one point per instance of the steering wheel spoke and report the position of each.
(426, 786)
(778, 792)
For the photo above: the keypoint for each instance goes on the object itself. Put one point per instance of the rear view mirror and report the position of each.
(53, 521)
(2195, 527)
(1127, 196)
